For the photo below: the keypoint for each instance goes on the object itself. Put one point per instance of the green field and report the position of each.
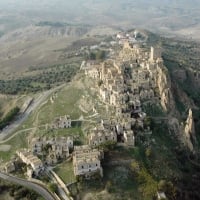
(65, 172)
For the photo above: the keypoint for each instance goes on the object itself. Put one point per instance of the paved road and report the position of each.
(36, 102)
(36, 187)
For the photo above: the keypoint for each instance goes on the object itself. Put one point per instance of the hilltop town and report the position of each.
(130, 79)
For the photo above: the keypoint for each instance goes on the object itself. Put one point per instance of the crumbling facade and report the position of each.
(62, 122)
(31, 160)
(87, 161)
(54, 149)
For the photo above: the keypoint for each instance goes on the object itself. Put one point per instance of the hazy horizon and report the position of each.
(178, 17)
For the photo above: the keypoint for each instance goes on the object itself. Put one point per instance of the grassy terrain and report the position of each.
(18, 142)
(65, 102)
(65, 172)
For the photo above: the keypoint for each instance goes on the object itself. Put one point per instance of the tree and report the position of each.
(9, 117)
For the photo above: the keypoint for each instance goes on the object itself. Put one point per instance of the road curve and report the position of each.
(36, 187)
(34, 105)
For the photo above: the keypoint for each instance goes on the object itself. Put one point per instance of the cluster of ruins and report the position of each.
(126, 83)
(134, 77)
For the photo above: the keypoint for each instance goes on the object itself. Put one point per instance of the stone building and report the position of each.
(155, 53)
(57, 152)
(9, 167)
(86, 161)
(146, 94)
(97, 137)
(129, 138)
(62, 122)
(53, 148)
(29, 159)
(93, 73)
(104, 94)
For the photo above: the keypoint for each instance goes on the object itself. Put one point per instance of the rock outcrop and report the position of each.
(164, 87)
(189, 131)
(185, 132)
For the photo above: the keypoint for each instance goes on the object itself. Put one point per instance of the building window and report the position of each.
(82, 167)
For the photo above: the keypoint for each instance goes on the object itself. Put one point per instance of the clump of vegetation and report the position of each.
(106, 146)
(18, 192)
(53, 187)
(153, 110)
(42, 81)
(97, 55)
(148, 186)
(9, 117)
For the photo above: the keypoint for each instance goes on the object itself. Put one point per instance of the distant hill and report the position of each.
(180, 17)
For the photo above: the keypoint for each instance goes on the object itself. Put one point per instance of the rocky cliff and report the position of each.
(189, 131)
(164, 87)
(184, 131)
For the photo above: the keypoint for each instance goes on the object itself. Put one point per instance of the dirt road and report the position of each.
(8, 131)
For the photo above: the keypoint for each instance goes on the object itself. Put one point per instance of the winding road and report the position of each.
(31, 185)
(9, 132)
(33, 106)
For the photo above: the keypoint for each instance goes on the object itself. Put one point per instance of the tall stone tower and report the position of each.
(155, 53)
